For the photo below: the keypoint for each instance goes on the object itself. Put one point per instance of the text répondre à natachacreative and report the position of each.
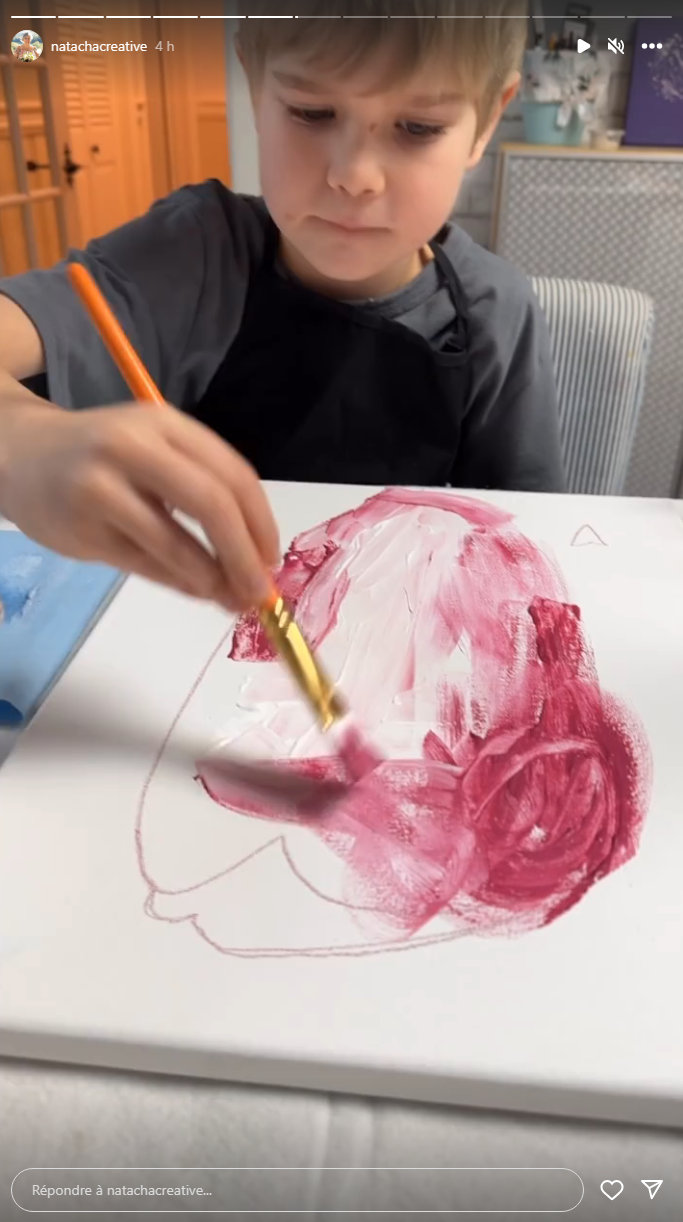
(141, 1190)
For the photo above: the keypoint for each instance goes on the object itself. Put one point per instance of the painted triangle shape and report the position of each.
(653, 1187)
(585, 536)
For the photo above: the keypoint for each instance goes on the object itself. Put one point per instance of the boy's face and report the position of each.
(358, 178)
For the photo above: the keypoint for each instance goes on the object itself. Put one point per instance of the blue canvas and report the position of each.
(49, 606)
(655, 104)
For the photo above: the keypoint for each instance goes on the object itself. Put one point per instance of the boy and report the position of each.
(323, 333)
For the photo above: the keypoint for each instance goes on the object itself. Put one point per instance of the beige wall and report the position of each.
(243, 145)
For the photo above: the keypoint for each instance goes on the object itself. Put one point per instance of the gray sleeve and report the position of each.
(176, 279)
(511, 435)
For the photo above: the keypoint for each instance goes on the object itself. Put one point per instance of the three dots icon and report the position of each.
(652, 46)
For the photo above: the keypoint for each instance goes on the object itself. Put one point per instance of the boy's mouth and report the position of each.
(351, 226)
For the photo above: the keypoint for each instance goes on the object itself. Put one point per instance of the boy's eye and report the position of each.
(422, 131)
(305, 114)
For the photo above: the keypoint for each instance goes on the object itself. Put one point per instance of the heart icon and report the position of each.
(612, 1188)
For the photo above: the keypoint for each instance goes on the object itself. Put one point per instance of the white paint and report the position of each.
(581, 1018)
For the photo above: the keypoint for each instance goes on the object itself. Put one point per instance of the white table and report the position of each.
(58, 1116)
(61, 1116)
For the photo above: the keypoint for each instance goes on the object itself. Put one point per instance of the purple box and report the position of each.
(655, 101)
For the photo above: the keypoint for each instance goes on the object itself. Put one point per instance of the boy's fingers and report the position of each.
(153, 532)
(133, 560)
(258, 516)
(194, 490)
(233, 471)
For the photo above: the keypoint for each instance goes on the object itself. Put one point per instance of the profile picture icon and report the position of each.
(27, 45)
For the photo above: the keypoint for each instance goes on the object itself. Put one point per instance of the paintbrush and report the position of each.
(328, 706)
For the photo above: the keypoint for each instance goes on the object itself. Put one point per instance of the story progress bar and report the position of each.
(291, 16)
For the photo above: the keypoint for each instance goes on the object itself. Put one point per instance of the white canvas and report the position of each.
(146, 926)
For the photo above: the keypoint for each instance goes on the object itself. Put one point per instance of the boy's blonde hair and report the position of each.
(479, 53)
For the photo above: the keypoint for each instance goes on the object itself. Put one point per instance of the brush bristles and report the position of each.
(358, 755)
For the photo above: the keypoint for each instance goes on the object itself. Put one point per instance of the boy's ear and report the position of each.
(504, 98)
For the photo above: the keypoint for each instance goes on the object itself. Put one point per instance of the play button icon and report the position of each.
(582, 45)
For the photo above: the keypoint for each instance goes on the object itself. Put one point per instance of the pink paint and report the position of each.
(354, 749)
(530, 786)
(512, 782)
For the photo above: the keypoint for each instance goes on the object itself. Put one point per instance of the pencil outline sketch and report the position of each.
(512, 783)
(593, 539)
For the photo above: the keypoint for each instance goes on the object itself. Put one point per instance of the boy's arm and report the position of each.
(100, 485)
(21, 349)
(21, 356)
(176, 279)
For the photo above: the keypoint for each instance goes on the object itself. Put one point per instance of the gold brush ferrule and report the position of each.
(287, 638)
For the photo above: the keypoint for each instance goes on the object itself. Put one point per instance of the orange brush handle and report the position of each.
(119, 346)
(121, 350)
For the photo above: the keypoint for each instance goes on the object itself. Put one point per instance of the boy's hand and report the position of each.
(101, 484)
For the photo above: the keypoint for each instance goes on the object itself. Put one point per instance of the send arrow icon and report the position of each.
(653, 1187)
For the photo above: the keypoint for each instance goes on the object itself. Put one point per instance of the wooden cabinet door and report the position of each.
(105, 113)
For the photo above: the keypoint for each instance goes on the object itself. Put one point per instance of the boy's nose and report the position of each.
(355, 171)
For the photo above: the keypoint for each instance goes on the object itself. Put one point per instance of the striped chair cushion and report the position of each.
(600, 338)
